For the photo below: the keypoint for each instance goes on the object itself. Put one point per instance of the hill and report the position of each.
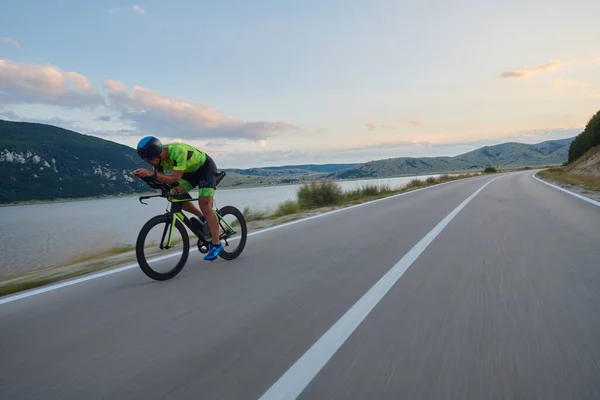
(586, 165)
(402, 166)
(519, 154)
(44, 162)
(505, 155)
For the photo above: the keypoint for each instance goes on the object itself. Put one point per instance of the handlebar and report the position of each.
(165, 188)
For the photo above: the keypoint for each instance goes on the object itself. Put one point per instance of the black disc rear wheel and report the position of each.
(233, 237)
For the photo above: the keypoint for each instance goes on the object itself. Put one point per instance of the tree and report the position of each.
(587, 139)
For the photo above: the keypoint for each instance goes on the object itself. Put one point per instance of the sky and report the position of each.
(269, 82)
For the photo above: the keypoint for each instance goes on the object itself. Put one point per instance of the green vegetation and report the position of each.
(583, 172)
(587, 139)
(323, 193)
(287, 208)
(583, 165)
(490, 170)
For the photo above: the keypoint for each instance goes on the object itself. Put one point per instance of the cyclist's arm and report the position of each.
(164, 178)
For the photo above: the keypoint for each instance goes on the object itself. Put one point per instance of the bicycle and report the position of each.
(175, 219)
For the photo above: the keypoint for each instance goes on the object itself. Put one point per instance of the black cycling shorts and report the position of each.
(204, 177)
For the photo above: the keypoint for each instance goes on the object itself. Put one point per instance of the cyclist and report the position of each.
(189, 168)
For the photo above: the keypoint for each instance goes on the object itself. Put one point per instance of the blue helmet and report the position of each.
(149, 148)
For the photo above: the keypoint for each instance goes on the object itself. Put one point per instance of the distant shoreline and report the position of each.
(244, 186)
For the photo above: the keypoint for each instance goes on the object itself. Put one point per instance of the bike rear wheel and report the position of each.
(146, 248)
(236, 220)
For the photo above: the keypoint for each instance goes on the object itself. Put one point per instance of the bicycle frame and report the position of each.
(176, 213)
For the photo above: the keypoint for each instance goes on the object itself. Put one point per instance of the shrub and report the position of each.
(286, 208)
(414, 183)
(319, 194)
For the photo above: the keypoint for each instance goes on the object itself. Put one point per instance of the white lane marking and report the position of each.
(52, 287)
(293, 382)
(579, 196)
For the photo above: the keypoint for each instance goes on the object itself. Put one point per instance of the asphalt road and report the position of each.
(408, 297)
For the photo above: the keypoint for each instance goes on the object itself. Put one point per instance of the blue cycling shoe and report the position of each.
(213, 252)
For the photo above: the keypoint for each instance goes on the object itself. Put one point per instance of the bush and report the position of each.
(319, 194)
(431, 180)
(250, 215)
(287, 208)
(414, 183)
(490, 170)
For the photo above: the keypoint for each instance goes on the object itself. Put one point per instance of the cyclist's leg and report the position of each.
(205, 198)
(185, 185)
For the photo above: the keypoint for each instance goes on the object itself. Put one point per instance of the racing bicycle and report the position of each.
(174, 221)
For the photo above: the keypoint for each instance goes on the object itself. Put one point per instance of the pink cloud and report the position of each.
(144, 110)
(114, 86)
(153, 112)
(30, 83)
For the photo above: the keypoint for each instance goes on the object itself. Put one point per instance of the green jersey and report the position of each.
(183, 157)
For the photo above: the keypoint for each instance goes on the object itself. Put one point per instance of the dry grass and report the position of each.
(561, 175)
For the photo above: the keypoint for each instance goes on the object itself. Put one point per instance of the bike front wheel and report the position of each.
(170, 243)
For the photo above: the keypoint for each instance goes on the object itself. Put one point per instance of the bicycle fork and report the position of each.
(170, 227)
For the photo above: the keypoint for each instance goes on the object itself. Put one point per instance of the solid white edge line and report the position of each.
(579, 196)
(293, 382)
(33, 292)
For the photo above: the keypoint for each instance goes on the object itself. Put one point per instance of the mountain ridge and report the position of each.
(40, 162)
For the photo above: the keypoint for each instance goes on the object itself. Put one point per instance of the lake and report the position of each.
(40, 235)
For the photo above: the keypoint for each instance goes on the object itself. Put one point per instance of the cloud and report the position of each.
(114, 86)
(388, 127)
(104, 118)
(414, 122)
(138, 9)
(56, 121)
(11, 41)
(160, 115)
(370, 126)
(30, 83)
(531, 71)
(113, 10)
(145, 111)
